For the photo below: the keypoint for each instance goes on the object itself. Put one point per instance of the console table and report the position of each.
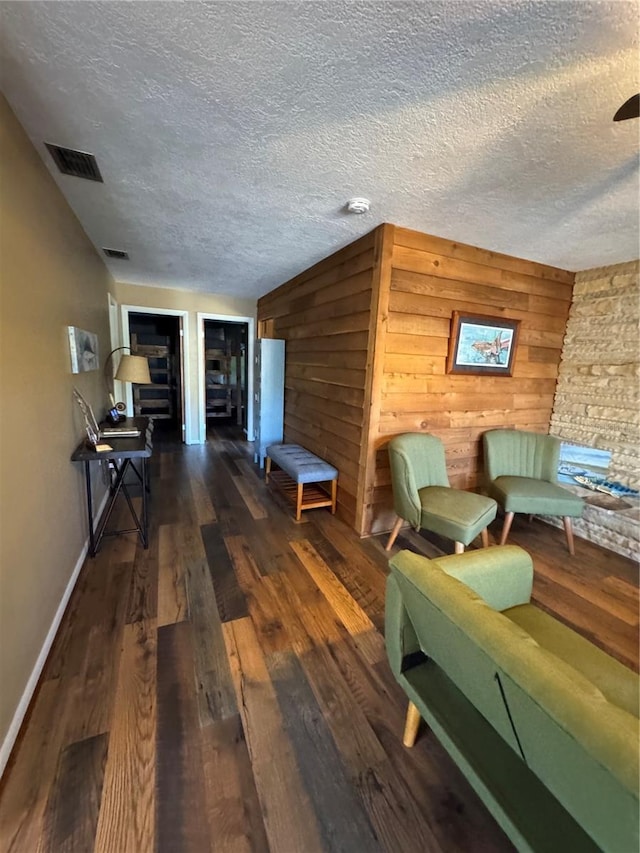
(121, 458)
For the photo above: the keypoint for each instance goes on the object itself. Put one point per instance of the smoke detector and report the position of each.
(358, 205)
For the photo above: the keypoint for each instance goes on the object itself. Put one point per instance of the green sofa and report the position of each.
(543, 723)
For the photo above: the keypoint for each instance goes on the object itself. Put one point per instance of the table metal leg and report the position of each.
(139, 475)
(87, 480)
(123, 488)
(145, 509)
(117, 487)
(113, 494)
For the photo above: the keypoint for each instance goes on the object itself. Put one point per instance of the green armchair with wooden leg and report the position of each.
(522, 474)
(423, 497)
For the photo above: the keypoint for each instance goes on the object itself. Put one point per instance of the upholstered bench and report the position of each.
(300, 468)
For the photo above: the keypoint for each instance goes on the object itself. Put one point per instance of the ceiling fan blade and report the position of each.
(630, 109)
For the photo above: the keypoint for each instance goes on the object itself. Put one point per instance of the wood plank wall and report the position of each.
(325, 316)
(367, 333)
(428, 278)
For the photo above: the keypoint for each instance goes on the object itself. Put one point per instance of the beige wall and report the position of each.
(194, 303)
(51, 277)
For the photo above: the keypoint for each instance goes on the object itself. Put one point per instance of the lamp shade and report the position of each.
(134, 368)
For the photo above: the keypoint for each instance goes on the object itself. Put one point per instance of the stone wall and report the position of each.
(597, 400)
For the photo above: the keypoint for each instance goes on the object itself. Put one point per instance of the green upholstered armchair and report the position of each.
(423, 497)
(522, 474)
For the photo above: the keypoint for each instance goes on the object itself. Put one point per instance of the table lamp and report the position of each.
(132, 368)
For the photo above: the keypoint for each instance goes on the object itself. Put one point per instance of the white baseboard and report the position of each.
(32, 683)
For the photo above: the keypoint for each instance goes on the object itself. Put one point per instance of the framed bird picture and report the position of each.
(482, 345)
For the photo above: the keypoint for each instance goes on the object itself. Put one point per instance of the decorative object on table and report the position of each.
(132, 368)
(588, 466)
(578, 460)
(482, 345)
(91, 424)
(95, 433)
(608, 494)
(83, 347)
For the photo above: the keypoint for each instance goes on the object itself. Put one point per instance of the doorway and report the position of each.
(226, 370)
(161, 335)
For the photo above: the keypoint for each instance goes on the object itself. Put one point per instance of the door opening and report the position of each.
(225, 373)
(157, 336)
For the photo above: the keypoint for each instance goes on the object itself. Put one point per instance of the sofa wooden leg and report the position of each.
(267, 468)
(394, 533)
(334, 496)
(411, 725)
(484, 535)
(568, 529)
(458, 548)
(508, 518)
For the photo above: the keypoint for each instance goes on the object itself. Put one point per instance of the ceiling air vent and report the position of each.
(76, 163)
(116, 253)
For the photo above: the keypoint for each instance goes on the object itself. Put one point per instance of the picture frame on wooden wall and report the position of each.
(481, 345)
(83, 348)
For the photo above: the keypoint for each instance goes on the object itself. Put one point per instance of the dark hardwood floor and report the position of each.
(228, 689)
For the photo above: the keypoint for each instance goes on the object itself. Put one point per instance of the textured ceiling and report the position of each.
(231, 134)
